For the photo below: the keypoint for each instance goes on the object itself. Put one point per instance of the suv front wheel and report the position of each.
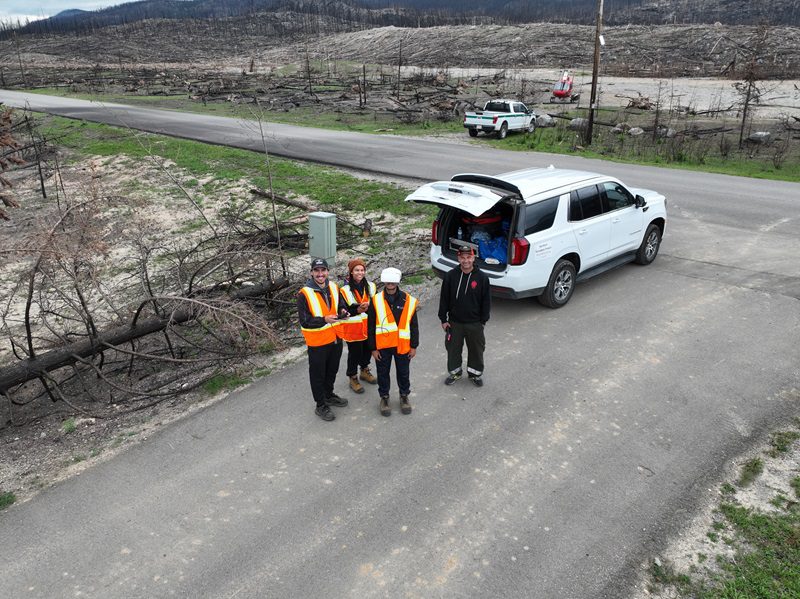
(560, 286)
(649, 249)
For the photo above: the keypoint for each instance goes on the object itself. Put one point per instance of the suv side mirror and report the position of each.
(640, 201)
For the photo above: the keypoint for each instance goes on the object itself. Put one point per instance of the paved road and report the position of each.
(600, 428)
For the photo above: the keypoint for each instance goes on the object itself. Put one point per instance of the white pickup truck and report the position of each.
(500, 117)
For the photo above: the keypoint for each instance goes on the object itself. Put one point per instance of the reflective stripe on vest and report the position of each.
(355, 327)
(387, 331)
(325, 334)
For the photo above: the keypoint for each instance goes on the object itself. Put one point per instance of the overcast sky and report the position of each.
(37, 9)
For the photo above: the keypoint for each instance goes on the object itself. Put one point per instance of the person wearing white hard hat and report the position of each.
(393, 334)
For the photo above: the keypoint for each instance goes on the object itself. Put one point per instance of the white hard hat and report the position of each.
(390, 275)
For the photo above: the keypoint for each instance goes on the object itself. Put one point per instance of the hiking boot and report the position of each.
(336, 401)
(355, 385)
(452, 378)
(325, 413)
(384, 406)
(367, 376)
(477, 381)
(405, 407)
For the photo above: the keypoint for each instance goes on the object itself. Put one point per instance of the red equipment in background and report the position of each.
(562, 90)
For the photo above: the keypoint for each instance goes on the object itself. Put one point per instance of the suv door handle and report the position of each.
(616, 220)
(582, 232)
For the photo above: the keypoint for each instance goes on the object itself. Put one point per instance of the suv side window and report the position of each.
(615, 196)
(520, 108)
(541, 215)
(585, 203)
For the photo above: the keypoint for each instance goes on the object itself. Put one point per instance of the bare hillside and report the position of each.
(647, 51)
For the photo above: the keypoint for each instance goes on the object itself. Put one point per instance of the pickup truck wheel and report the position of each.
(531, 126)
(501, 134)
(648, 251)
(473, 132)
(560, 286)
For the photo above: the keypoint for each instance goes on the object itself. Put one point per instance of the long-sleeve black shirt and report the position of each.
(465, 297)
(396, 304)
(307, 321)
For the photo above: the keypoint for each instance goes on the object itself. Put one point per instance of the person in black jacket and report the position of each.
(464, 306)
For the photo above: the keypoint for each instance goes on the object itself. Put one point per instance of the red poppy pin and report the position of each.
(474, 284)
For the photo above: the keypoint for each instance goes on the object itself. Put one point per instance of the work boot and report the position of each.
(476, 380)
(336, 401)
(325, 413)
(355, 385)
(367, 376)
(405, 407)
(452, 378)
(384, 406)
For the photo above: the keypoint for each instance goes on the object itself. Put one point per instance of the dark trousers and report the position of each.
(472, 334)
(402, 367)
(323, 364)
(358, 356)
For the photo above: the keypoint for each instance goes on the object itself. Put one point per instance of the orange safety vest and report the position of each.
(389, 333)
(325, 334)
(355, 327)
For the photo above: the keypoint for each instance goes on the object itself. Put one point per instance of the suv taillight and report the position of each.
(435, 232)
(519, 251)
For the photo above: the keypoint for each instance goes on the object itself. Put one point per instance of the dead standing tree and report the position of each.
(10, 158)
(749, 90)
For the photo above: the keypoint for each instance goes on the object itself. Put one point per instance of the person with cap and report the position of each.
(319, 312)
(357, 293)
(464, 305)
(393, 334)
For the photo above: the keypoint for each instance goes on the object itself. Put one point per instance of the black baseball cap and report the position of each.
(319, 263)
(465, 249)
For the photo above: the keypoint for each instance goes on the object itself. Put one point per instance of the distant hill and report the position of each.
(70, 13)
(358, 14)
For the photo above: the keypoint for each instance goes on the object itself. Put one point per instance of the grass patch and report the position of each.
(327, 187)
(69, 426)
(6, 499)
(420, 277)
(224, 382)
(795, 484)
(781, 442)
(750, 471)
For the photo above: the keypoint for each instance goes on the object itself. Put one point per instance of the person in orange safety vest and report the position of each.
(393, 334)
(319, 313)
(356, 294)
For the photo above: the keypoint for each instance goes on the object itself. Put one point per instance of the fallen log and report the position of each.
(26, 370)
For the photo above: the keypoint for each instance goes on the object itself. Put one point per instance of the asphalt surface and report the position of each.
(599, 430)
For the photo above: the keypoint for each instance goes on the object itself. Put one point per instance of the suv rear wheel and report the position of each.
(649, 249)
(560, 286)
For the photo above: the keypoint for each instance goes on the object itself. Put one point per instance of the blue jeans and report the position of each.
(402, 367)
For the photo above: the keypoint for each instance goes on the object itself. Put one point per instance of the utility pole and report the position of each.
(595, 68)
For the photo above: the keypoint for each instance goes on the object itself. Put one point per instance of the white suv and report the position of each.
(537, 232)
